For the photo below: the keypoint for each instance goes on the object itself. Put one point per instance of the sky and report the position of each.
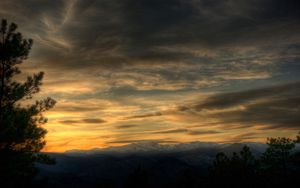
(167, 71)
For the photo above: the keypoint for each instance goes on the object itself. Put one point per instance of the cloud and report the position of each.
(159, 141)
(226, 100)
(69, 121)
(144, 116)
(246, 136)
(76, 109)
(83, 121)
(280, 113)
(171, 131)
(211, 37)
(201, 132)
(125, 126)
(187, 131)
(272, 107)
(275, 107)
(162, 22)
(93, 121)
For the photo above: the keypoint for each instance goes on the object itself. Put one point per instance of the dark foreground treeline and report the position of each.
(279, 165)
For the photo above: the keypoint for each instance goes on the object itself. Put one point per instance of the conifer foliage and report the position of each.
(21, 131)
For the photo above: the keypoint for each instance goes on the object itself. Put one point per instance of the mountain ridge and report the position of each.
(156, 147)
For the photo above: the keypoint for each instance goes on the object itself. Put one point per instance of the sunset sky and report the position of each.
(168, 71)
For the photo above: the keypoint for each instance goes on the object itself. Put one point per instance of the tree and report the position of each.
(297, 140)
(277, 156)
(21, 132)
(234, 170)
(278, 164)
(248, 161)
(220, 172)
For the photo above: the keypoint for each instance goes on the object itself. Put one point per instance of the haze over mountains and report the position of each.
(154, 147)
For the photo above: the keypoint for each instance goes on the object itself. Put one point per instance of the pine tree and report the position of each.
(21, 132)
(277, 156)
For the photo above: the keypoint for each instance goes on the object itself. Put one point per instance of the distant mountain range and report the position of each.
(162, 162)
(152, 147)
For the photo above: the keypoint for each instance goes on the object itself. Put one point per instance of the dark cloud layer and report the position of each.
(203, 22)
(277, 93)
(281, 113)
(121, 32)
(272, 107)
(184, 44)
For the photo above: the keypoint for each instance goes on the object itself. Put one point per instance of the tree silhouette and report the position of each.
(21, 134)
(248, 162)
(234, 170)
(278, 165)
(278, 155)
(220, 171)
